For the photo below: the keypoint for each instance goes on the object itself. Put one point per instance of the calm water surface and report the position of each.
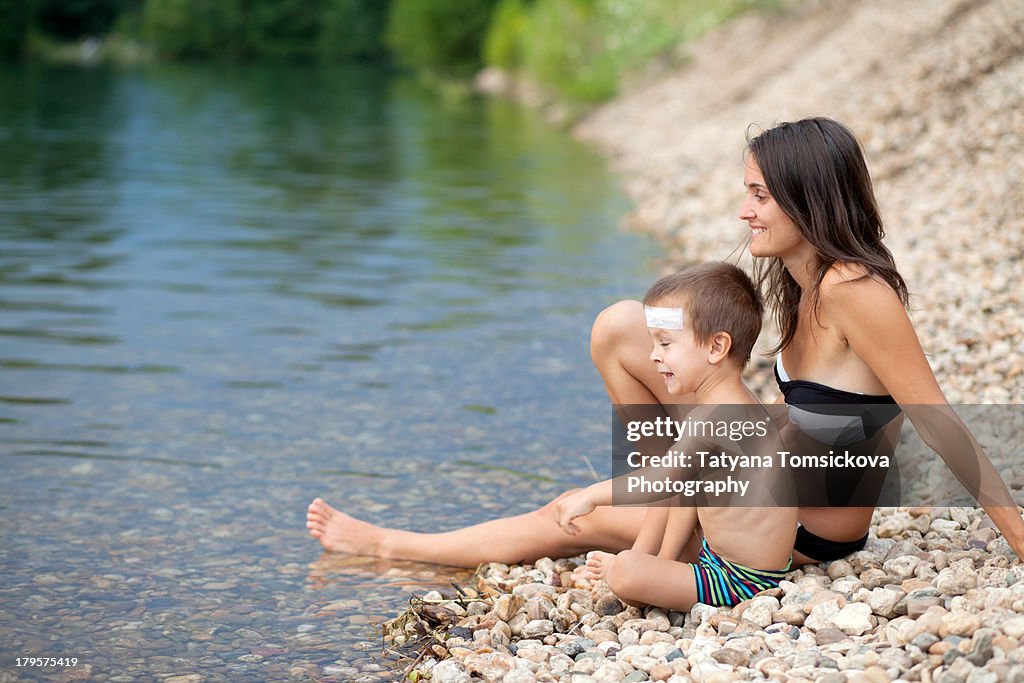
(227, 290)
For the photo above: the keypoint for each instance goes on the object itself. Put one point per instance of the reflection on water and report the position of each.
(225, 290)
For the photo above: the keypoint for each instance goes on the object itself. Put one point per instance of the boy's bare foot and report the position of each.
(597, 566)
(339, 532)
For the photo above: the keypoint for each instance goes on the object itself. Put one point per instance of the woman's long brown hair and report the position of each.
(815, 170)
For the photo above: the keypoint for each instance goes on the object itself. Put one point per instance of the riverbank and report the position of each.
(933, 91)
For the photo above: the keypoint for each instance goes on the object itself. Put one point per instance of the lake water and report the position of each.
(227, 290)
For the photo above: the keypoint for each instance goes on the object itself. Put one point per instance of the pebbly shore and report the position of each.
(935, 596)
(933, 90)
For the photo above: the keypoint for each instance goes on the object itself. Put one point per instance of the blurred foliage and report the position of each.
(15, 23)
(272, 30)
(441, 36)
(283, 30)
(354, 30)
(24, 22)
(69, 19)
(196, 28)
(506, 35)
(582, 49)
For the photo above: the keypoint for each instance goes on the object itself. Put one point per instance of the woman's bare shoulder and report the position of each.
(851, 282)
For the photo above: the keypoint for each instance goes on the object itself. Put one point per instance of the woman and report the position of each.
(815, 233)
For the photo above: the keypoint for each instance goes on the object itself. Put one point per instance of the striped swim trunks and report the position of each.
(721, 582)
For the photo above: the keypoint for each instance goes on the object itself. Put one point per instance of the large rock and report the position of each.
(854, 619)
(449, 671)
(959, 624)
(538, 628)
(760, 610)
(883, 601)
(957, 579)
(822, 614)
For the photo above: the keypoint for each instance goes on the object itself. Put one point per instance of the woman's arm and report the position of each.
(874, 323)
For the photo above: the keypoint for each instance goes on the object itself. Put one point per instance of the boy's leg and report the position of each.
(640, 579)
(522, 538)
(647, 541)
(678, 536)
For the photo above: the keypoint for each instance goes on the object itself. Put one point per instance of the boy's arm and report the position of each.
(580, 503)
(652, 533)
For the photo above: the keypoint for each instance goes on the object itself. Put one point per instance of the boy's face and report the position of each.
(681, 361)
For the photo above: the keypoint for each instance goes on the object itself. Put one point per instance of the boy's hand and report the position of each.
(569, 508)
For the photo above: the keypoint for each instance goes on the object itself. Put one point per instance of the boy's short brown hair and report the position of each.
(715, 297)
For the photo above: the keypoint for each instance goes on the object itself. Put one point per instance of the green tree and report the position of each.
(284, 29)
(196, 28)
(15, 19)
(508, 30)
(354, 29)
(69, 19)
(441, 35)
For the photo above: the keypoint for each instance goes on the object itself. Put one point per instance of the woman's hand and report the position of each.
(572, 506)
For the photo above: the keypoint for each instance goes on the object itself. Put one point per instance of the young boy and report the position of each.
(703, 322)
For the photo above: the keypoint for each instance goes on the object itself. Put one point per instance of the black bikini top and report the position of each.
(814, 408)
(803, 392)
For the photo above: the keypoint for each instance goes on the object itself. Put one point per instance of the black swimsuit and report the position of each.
(835, 417)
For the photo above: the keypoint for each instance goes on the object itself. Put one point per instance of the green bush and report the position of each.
(566, 49)
(354, 29)
(70, 19)
(15, 21)
(503, 44)
(283, 29)
(441, 35)
(275, 30)
(196, 28)
(582, 49)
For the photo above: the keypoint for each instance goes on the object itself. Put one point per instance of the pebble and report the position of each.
(538, 628)
(853, 619)
(959, 624)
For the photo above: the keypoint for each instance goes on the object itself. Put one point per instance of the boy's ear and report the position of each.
(721, 343)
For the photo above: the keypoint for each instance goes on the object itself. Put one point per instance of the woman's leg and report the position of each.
(620, 348)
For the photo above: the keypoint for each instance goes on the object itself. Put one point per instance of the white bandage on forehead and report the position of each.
(664, 318)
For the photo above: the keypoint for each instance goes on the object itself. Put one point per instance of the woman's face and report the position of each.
(772, 232)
